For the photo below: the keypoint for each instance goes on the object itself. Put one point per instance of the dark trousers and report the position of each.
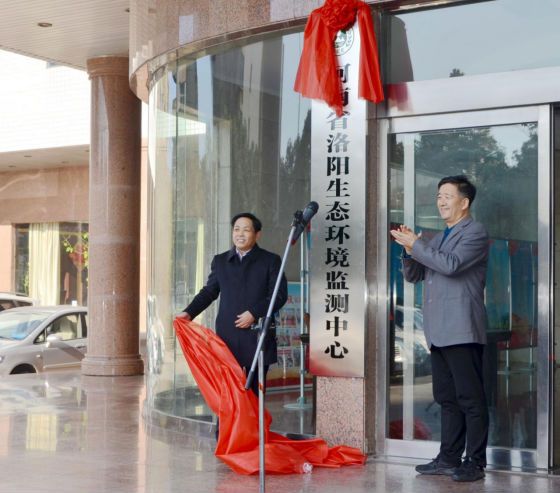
(459, 390)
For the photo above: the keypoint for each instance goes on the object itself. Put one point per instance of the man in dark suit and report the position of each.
(453, 267)
(244, 277)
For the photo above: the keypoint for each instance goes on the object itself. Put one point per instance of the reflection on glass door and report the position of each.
(502, 161)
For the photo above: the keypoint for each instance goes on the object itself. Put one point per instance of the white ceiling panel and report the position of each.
(81, 29)
(54, 157)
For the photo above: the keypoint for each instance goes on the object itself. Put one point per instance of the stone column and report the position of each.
(114, 221)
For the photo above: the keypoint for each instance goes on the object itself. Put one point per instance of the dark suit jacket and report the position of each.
(454, 276)
(242, 285)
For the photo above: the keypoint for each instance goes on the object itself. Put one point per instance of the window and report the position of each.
(70, 258)
(227, 134)
(68, 327)
(476, 38)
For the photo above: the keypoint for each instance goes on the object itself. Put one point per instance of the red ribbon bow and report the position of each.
(317, 76)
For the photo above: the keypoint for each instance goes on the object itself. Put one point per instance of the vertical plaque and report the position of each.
(337, 256)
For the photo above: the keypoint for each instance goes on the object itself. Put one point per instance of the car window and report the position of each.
(66, 327)
(84, 324)
(18, 325)
(7, 304)
(40, 338)
(22, 303)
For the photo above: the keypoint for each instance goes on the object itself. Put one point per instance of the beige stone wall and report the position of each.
(48, 195)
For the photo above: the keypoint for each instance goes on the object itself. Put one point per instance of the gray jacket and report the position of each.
(454, 278)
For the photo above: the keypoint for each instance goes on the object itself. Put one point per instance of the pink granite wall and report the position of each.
(159, 28)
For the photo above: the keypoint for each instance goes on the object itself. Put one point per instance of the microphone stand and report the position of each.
(301, 404)
(263, 327)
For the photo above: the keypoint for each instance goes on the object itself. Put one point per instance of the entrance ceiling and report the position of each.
(80, 29)
(56, 157)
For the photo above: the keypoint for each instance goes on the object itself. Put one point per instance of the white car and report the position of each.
(13, 300)
(36, 339)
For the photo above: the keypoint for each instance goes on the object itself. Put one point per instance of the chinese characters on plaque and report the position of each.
(338, 184)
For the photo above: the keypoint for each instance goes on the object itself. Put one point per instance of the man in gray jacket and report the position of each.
(453, 267)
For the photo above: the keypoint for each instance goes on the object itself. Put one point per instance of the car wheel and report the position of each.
(19, 370)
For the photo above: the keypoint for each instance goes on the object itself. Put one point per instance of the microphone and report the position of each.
(302, 219)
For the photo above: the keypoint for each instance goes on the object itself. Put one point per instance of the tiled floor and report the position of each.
(65, 433)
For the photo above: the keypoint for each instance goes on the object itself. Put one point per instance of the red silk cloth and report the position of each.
(317, 75)
(222, 383)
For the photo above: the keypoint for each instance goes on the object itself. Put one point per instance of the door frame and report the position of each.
(511, 458)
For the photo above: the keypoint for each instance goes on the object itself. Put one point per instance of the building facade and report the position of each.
(471, 88)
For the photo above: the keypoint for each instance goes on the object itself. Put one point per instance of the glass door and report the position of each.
(506, 155)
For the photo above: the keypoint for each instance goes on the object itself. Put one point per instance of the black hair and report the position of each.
(257, 225)
(464, 186)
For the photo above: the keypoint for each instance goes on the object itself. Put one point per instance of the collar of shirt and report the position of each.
(241, 254)
(234, 253)
(446, 234)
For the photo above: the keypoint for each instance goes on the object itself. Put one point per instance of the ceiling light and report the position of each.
(44, 24)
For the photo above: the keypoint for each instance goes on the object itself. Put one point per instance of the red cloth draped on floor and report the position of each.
(222, 383)
(317, 75)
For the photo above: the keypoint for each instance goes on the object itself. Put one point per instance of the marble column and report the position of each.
(114, 221)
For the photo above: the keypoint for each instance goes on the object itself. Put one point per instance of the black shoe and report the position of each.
(437, 467)
(468, 471)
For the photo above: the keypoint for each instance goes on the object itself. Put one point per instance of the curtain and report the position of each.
(44, 263)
